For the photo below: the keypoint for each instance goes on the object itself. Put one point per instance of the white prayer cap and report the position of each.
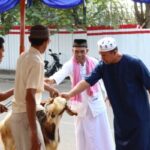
(107, 44)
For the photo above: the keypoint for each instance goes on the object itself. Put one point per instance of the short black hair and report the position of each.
(1, 42)
(80, 43)
(38, 35)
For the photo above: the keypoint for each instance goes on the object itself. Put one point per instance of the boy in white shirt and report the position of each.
(29, 85)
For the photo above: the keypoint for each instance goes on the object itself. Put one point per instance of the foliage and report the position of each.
(9, 19)
(110, 13)
(98, 12)
(60, 18)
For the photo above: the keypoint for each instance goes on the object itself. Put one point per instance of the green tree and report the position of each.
(9, 19)
(110, 13)
(97, 12)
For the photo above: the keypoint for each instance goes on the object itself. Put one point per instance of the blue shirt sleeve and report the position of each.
(143, 74)
(95, 75)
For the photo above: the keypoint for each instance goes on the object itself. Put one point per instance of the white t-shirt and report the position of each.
(29, 74)
(96, 102)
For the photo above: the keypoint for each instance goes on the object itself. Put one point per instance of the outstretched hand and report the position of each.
(49, 81)
(3, 108)
(65, 95)
(53, 92)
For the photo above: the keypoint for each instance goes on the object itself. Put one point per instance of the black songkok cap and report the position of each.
(39, 32)
(80, 43)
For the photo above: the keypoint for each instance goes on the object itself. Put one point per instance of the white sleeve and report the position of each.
(64, 72)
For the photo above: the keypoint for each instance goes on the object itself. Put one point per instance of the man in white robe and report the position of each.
(92, 127)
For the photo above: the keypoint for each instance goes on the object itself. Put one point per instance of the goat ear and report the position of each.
(71, 112)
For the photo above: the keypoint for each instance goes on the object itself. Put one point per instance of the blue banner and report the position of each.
(7, 4)
(62, 4)
(142, 1)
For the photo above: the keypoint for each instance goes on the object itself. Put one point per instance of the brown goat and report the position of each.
(49, 120)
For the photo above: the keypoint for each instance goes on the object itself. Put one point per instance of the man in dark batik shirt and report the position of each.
(127, 81)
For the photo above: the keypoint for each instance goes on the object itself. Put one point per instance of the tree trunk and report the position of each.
(76, 17)
(2, 18)
(147, 16)
(142, 14)
(139, 14)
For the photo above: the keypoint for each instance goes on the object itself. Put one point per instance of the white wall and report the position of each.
(130, 41)
(134, 42)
